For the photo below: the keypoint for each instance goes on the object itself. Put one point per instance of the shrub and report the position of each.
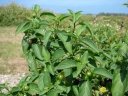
(65, 63)
(13, 14)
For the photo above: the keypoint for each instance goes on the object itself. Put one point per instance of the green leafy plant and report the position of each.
(13, 14)
(65, 63)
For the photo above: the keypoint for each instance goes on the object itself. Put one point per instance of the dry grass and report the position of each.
(11, 59)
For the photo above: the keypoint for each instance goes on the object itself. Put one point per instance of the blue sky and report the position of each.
(87, 6)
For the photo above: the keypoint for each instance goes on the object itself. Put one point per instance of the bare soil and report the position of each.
(15, 63)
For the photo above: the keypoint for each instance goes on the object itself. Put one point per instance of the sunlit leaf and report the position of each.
(31, 62)
(46, 37)
(57, 54)
(22, 27)
(54, 92)
(37, 8)
(41, 82)
(66, 39)
(48, 14)
(45, 54)
(75, 90)
(78, 15)
(80, 30)
(66, 64)
(103, 72)
(119, 82)
(37, 51)
(85, 89)
(33, 89)
(62, 17)
(84, 57)
(90, 43)
(73, 15)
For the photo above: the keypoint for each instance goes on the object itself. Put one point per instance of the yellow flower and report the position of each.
(103, 89)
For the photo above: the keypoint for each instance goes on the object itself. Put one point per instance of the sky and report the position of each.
(86, 6)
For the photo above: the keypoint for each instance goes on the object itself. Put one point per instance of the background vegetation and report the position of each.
(78, 57)
(11, 56)
(13, 14)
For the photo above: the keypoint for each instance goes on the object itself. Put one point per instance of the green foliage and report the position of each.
(65, 63)
(13, 14)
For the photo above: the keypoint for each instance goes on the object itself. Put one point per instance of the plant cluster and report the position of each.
(65, 63)
(13, 14)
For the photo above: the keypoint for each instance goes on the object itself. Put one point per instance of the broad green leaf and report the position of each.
(44, 22)
(34, 36)
(119, 82)
(80, 30)
(62, 88)
(55, 44)
(66, 39)
(25, 46)
(103, 72)
(46, 37)
(57, 54)
(32, 78)
(62, 17)
(107, 55)
(78, 15)
(44, 92)
(22, 27)
(47, 79)
(85, 89)
(75, 90)
(89, 28)
(37, 8)
(66, 64)
(51, 68)
(100, 60)
(84, 57)
(23, 80)
(41, 82)
(90, 43)
(54, 92)
(41, 31)
(36, 20)
(42, 63)
(79, 69)
(15, 89)
(73, 15)
(68, 76)
(31, 62)
(37, 51)
(68, 89)
(45, 54)
(113, 66)
(49, 14)
(67, 72)
(33, 89)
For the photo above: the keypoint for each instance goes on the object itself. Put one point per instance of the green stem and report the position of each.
(74, 26)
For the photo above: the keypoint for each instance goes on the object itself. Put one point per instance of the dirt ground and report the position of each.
(11, 59)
